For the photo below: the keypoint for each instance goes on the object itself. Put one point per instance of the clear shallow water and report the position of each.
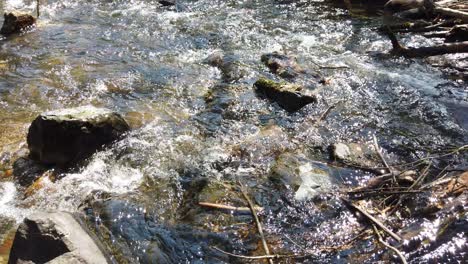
(148, 63)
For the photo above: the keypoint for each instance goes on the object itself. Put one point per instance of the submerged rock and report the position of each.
(282, 65)
(65, 136)
(167, 3)
(231, 69)
(54, 238)
(15, 23)
(308, 178)
(289, 97)
(356, 154)
(26, 171)
(139, 238)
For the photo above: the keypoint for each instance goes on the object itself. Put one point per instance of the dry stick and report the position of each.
(400, 255)
(37, 8)
(374, 220)
(422, 177)
(228, 207)
(418, 180)
(257, 221)
(325, 113)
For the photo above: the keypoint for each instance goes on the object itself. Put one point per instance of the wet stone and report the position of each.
(308, 178)
(64, 137)
(457, 34)
(228, 64)
(56, 237)
(26, 171)
(356, 154)
(137, 236)
(167, 3)
(282, 65)
(15, 23)
(289, 97)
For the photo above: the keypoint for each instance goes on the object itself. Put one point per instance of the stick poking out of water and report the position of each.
(257, 221)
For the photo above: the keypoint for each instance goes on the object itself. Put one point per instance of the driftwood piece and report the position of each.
(422, 52)
(15, 23)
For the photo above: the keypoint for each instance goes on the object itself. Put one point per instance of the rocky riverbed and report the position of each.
(287, 103)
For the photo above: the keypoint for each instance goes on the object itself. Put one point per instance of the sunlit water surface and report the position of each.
(148, 63)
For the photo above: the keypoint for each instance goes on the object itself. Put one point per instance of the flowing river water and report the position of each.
(198, 130)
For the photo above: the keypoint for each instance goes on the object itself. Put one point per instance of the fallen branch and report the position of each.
(257, 221)
(400, 255)
(421, 52)
(372, 219)
(229, 207)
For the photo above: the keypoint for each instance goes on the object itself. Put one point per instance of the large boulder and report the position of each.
(287, 96)
(54, 238)
(66, 136)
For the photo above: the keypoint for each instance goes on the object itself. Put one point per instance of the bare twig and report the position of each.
(257, 221)
(400, 255)
(377, 148)
(421, 178)
(325, 113)
(229, 207)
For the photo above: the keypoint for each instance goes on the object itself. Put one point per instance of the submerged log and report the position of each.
(422, 52)
(15, 23)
